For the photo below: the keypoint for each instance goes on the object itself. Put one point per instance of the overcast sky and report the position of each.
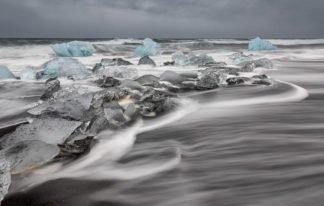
(162, 18)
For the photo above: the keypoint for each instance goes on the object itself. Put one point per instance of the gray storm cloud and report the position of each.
(162, 18)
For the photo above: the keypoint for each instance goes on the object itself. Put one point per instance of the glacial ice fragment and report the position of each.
(185, 60)
(73, 49)
(27, 154)
(240, 57)
(5, 177)
(31, 73)
(63, 67)
(5, 73)
(117, 72)
(210, 78)
(48, 130)
(258, 44)
(146, 60)
(147, 49)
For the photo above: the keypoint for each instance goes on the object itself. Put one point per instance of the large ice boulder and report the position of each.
(5, 73)
(148, 48)
(49, 130)
(64, 67)
(258, 44)
(73, 49)
(57, 67)
(191, 59)
(29, 154)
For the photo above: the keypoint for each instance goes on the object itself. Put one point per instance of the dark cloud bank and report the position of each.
(162, 18)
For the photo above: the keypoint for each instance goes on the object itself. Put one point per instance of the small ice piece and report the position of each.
(264, 62)
(73, 49)
(118, 72)
(258, 44)
(240, 57)
(63, 67)
(28, 154)
(147, 49)
(5, 177)
(49, 130)
(5, 73)
(185, 60)
(31, 73)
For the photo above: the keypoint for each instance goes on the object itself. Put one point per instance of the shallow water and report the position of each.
(230, 146)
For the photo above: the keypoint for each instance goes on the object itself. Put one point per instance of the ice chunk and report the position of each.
(240, 57)
(57, 67)
(147, 49)
(63, 67)
(146, 60)
(118, 72)
(210, 78)
(28, 154)
(184, 60)
(264, 62)
(258, 44)
(5, 177)
(31, 73)
(73, 49)
(66, 104)
(48, 130)
(5, 73)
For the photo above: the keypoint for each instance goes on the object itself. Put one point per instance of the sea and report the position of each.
(231, 146)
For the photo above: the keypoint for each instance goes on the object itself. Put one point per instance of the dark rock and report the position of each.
(52, 86)
(106, 82)
(107, 95)
(261, 76)
(214, 64)
(172, 77)
(146, 60)
(169, 63)
(114, 62)
(78, 147)
(262, 82)
(236, 80)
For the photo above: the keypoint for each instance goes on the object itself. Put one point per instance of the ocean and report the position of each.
(231, 146)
